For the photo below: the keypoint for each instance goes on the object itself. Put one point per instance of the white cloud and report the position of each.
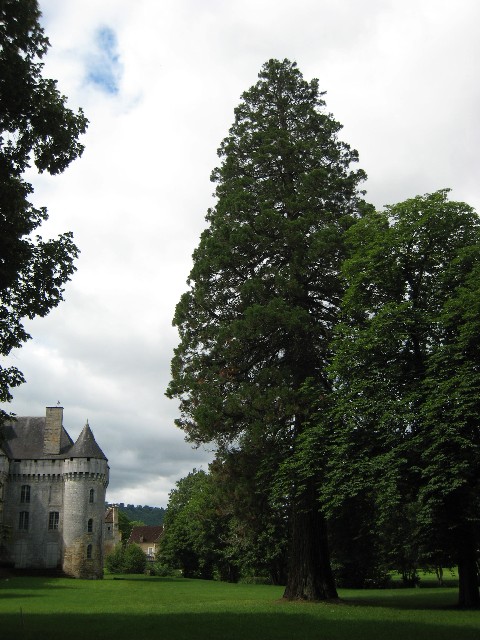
(400, 76)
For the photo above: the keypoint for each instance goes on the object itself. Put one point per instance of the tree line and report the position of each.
(330, 352)
(142, 514)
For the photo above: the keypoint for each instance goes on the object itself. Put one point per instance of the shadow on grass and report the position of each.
(32, 584)
(13, 596)
(276, 625)
(405, 601)
(140, 578)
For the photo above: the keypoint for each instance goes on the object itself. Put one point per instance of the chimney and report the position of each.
(53, 430)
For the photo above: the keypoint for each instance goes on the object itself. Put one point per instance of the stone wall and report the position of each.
(80, 485)
(63, 487)
(38, 546)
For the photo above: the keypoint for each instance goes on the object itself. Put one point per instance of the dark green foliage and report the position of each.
(219, 524)
(145, 514)
(125, 525)
(256, 538)
(406, 379)
(114, 560)
(357, 554)
(135, 559)
(35, 125)
(193, 536)
(126, 559)
(400, 543)
(256, 322)
(450, 489)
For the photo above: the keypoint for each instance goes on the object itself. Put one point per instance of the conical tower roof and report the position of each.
(86, 446)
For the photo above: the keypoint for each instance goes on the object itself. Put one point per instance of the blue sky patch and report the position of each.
(104, 68)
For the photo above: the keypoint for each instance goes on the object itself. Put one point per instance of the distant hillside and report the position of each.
(145, 514)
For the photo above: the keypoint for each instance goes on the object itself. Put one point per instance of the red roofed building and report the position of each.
(147, 538)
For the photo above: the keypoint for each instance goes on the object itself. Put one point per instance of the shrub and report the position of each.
(129, 559)
(114, 560)
(135, 559)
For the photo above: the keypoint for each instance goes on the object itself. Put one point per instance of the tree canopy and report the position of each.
(264, 291)
(405, 371)
(192, 540)
(36, 127)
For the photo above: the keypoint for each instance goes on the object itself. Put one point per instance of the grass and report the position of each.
(141, 608)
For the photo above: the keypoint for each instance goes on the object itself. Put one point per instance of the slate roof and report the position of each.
(22, 439)
(86, 446)
(146, 533)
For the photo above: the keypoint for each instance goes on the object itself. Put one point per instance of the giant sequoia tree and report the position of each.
(35, 126)
(263, 295)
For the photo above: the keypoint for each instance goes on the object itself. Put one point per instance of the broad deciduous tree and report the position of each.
(450, 438)
(35, 125)
(406, 375)
(192, 539)
(256, 322)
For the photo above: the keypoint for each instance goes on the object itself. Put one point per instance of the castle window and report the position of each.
(90, 525)
(53, 518)
(23, 520)
(91, 496)
(25, 494)
(89, 552)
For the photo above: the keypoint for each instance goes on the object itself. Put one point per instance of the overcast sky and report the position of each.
(158, 81)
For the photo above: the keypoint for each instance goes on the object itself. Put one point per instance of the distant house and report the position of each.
(147, 538)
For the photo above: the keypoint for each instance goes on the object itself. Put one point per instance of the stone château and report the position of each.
(52, 497)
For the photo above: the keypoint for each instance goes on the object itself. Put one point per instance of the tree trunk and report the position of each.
(468, 592)
(310, 575)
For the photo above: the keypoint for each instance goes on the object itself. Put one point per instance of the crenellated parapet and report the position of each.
(53, 492)
(36, 477)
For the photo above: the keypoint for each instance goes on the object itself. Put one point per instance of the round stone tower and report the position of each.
(85, 482)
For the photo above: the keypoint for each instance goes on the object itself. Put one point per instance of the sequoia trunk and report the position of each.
(310, 575)
(468, 591)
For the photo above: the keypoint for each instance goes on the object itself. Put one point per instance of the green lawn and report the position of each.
(142, 608)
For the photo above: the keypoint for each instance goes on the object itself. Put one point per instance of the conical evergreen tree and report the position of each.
(264, 290)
